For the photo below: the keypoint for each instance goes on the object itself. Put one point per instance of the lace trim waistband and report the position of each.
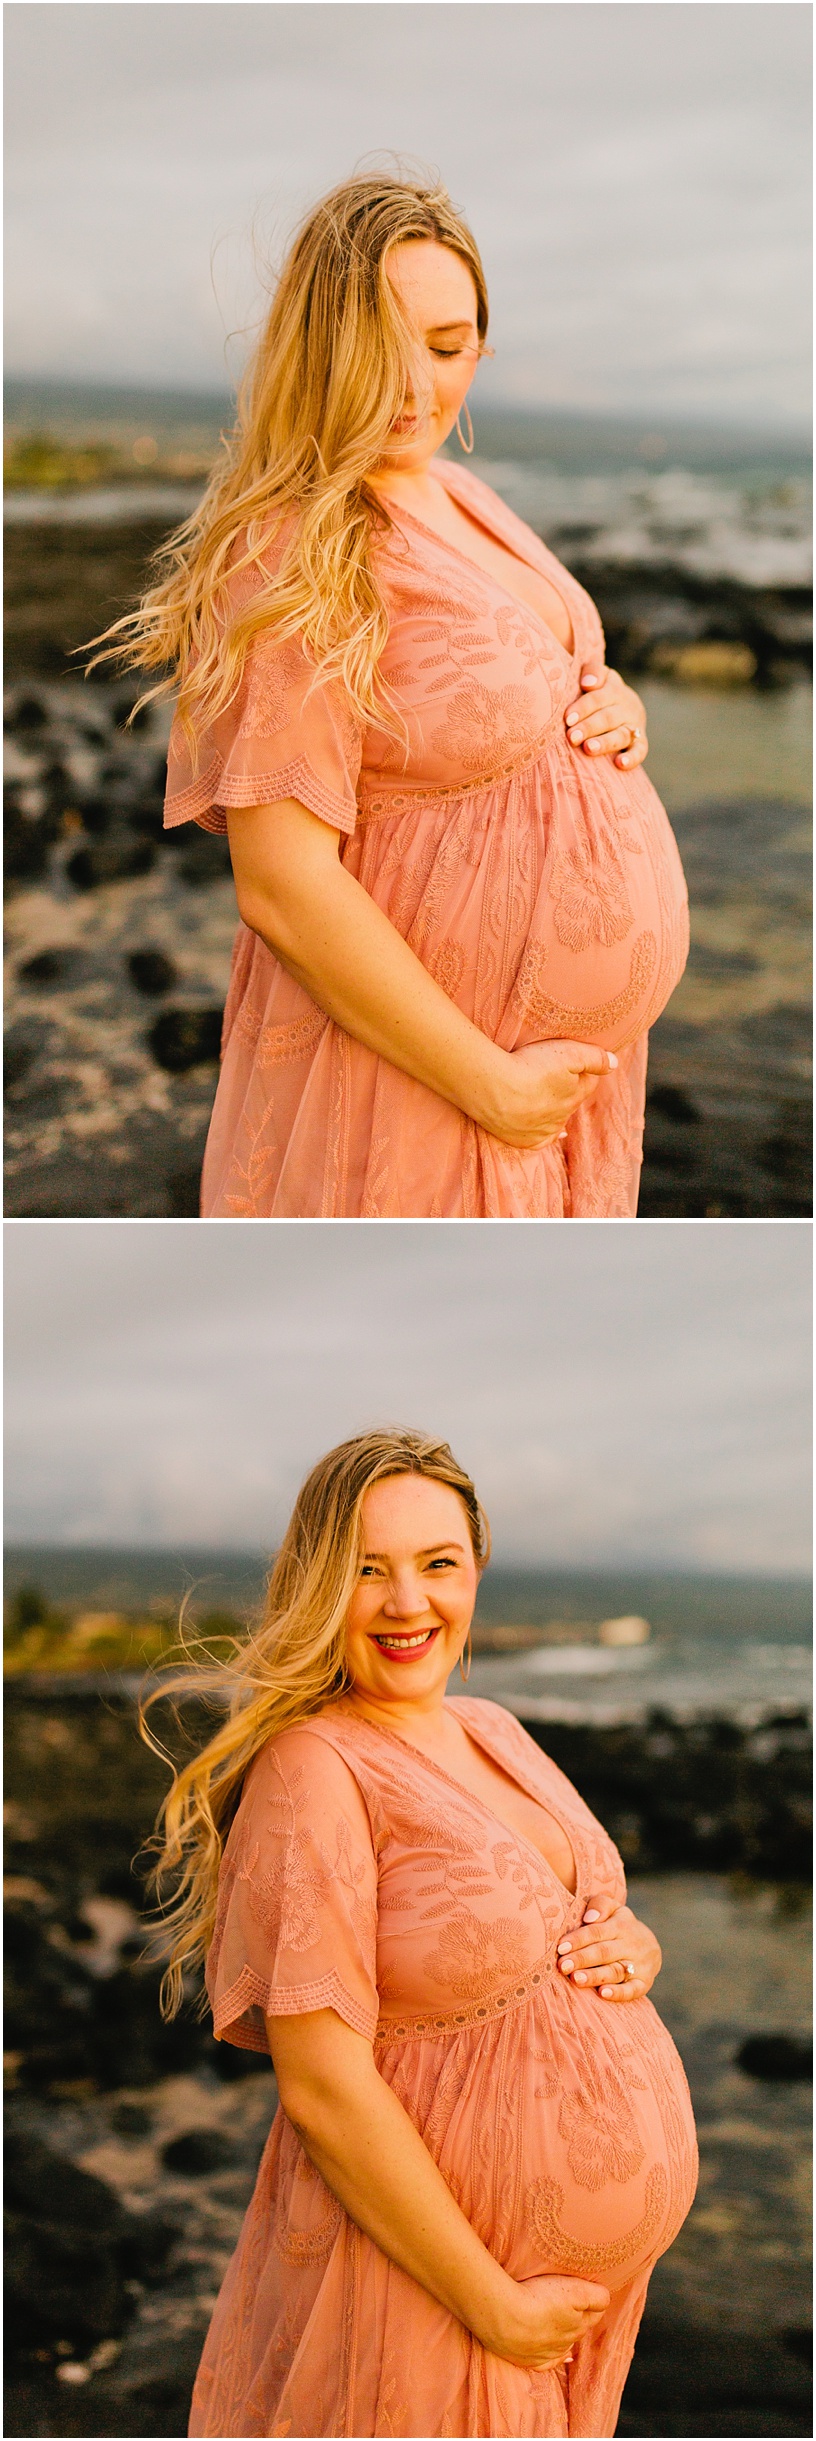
(405, 796)
(400, 2029)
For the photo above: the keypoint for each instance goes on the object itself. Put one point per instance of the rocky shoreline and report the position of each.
(133, 2145)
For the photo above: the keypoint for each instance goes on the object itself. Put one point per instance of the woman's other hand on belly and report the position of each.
(608, 718)
(601, 1951)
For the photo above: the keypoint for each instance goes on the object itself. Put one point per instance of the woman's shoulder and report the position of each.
(304, 1740)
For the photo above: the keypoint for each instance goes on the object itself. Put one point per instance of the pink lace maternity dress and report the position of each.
(541, 888)
(359, 1876)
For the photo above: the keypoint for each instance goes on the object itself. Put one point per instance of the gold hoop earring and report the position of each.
(466, 1648)
(467, 446)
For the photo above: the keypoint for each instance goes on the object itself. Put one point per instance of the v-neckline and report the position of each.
(569, 1897)
(396, 508)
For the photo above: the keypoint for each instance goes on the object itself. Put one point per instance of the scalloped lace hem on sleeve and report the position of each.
(207, 798)
(273, 2000)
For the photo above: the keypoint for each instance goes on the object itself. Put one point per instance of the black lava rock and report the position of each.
(151, 971)
(777, 2058)
(131, 2119)
(51, 966)
(198, 2152)
(26, 715)
(27, 838)
(22, 1046)
(184, 1038)
(71, 2249)
(64, 2276)
(116, 858)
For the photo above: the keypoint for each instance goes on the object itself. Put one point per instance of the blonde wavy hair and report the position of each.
(322, 389)
(283, 1671)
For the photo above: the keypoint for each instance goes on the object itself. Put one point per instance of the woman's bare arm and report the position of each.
(330, 935)
(373, 2158)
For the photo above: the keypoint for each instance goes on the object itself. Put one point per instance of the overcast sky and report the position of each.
(637, 177)
(620, 1394)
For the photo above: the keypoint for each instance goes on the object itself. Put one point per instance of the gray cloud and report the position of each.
(620, 1394)
(637, 175)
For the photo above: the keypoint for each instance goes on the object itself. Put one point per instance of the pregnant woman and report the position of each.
(462, 905)
(485, 2138)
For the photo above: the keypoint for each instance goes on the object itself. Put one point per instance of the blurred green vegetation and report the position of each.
(40, 1637)
(35, 461)
(40, 461)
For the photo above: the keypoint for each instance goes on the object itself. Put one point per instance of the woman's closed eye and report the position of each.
(374, 1568)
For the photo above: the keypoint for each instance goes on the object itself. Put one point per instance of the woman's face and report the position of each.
(438, 292)
(411, 1609)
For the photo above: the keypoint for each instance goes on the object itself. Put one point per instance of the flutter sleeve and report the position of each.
(296, 1927)
(283, 735)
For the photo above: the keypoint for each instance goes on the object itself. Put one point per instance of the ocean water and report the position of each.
(739, 1647)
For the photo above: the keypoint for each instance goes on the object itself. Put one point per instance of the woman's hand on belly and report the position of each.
(550, 1081)
(546, 2317)
(598, 1954)
(604, 718)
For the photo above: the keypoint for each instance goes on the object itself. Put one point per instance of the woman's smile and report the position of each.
(404, 1646)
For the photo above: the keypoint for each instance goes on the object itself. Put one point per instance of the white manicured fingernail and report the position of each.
(592, 1915)
(611, 1058)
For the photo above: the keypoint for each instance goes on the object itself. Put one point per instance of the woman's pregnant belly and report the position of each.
(565, 2130)
(607, 939)
(552, 904)
(610, 2155)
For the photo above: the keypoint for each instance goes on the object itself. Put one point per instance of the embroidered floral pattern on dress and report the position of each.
(591, 898)
(271, 677)
(600, 2132)
(469, 1955)
(484, 724)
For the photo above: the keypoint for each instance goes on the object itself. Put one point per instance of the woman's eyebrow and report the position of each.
(436, 329)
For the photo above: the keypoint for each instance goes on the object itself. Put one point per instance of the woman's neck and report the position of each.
(410, 485)
(424, 1725)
